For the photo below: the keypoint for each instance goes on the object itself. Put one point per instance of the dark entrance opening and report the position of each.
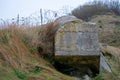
(76, 71)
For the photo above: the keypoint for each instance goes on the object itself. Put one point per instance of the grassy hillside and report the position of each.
(19, 56)
(23, 50)
(109, 29)
(112, 56)
(109, 36)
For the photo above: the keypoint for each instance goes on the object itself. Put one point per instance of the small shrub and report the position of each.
(5, 37)
(20, 75)
(32, 49)
(100, 26)
(113, 40)
(25, 40)
(114, 16)
(36, 69)
(117, 30)
(99, 21)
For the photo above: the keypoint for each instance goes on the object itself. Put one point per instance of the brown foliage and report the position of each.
(46, 37)
(13, 52)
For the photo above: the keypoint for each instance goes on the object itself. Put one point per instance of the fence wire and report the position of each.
(37, 18)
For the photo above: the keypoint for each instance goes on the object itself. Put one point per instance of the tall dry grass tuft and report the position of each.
(40, 37)
(46, 35)
(13, 52)
(15, 45)
(110, 49)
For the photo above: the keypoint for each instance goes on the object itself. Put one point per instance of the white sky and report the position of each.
(10, 8)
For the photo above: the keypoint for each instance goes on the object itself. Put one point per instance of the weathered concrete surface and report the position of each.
(76, 44)
(77, 39)
(64, 19)
(103, 64)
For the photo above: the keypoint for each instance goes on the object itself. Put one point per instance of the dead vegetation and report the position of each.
(112, 56)
(46, 38)
(22, 50)
(108, 29)
(19, 54)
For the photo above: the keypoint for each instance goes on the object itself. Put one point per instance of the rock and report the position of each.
(103, 64)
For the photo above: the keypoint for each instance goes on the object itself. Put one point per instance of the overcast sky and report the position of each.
(10, 8)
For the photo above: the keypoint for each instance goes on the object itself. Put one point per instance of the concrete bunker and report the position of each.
(76, 43)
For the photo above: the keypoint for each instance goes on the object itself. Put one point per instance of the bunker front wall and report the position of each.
(77, 43)
(77, 39)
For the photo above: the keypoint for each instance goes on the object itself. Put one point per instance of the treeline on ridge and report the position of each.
(97, 7)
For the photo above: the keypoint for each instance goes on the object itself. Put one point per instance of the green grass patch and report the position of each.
(5, 37)
(98, 77)
(20, 75)
(7, 74)
(32, 49)
(26, 40)
(36, 69)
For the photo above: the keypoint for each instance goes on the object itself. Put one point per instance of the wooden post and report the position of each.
(18, 19)
(41, 16)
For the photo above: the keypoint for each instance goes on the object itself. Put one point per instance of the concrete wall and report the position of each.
(75, 38)
(76, 44)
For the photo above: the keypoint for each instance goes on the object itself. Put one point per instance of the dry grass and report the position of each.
(16, 42)
(112, 55)
(12, 49)
(110, 49)
(107, 31)
(41, 37)
(46, 38)
(15, 54)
